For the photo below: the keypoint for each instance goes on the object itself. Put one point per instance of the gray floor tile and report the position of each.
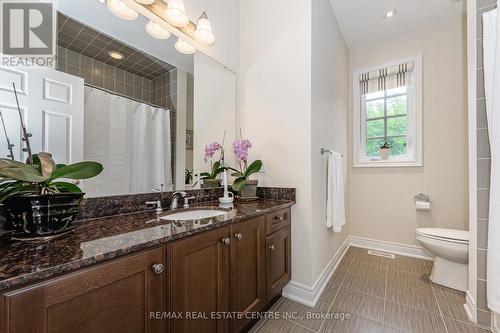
(451, 302)
(455, 326)
(337, 278)
(411, 265)
(412, 280)
(352, 324)
(368, 270)
(281, 326)
(360, 304)
(365, 285)
(329, 294)
(409, 319)
(311, 318)
(422, 299)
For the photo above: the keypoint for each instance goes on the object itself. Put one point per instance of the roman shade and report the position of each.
(387, 78)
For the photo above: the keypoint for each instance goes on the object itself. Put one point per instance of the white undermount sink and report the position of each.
(196, 214)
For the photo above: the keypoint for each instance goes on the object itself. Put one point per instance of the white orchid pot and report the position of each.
(384, 153)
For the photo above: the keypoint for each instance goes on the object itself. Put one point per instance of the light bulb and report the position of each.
(184, 47)
(121, 10)
(145, 2)
(156, 31)
(203, 31)
(176, 13)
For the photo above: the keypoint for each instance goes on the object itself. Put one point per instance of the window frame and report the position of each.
(413, 158)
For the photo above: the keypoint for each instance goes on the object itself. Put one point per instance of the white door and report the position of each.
(52, 107)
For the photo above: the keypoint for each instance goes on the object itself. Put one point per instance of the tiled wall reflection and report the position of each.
(483, 173)
(160, 91)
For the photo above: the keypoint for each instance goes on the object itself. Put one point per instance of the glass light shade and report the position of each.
(176, 13)
(184, 47)
(121, 10)
(156, 31)
(203, 31)
(145, 2)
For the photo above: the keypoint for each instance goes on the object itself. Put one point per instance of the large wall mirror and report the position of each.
(125, 99)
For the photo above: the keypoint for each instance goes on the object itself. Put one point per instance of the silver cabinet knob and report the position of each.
(158, 269)
(271, 247)
(226, 241)
(238, 236)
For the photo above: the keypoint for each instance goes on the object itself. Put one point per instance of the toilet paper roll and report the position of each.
(423, 205)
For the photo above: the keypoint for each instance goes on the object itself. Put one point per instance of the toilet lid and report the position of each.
(451, 234)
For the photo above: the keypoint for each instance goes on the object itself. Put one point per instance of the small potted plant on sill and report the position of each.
(34, 196)
(246, 187)
(211, 179)
(385, 151)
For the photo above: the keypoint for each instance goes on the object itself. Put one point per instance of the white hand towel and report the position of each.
(335, 211)
(491, 43)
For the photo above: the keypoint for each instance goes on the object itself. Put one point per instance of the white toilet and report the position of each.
(451, 250)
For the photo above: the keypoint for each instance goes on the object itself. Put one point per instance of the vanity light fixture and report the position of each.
(184, 47)
(390, 13)
(121, 10)
(156, 31)
(176, 13)
(116, 55)
(203, 31)
(145, 2)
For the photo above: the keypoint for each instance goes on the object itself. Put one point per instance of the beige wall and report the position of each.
(275, 99)
(381, 199)
(329, 120)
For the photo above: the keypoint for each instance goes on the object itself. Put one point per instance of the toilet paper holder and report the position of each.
(421, 197)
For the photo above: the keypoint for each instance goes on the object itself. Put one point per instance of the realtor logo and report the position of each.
(28, 29)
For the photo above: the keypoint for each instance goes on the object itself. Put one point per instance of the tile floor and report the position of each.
(379, 295)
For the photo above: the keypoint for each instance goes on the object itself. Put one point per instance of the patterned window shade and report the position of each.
(387, 78)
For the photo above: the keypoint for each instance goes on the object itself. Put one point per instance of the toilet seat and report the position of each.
(447, 235)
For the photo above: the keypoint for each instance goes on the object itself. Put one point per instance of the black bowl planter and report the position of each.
(44, 215)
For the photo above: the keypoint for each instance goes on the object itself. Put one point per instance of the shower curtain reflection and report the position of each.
(131, 140)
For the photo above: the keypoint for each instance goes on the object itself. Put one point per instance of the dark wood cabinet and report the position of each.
(278, 261)
(113, 297)
(199, 282)
(195, 284)
(248, 289)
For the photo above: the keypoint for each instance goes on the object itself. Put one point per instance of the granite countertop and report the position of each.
(97, 240)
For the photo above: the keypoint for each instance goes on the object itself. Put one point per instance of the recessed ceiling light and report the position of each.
(116, 55)
(102, 1)
(390, 13)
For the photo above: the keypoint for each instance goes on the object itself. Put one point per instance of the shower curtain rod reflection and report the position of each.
(128, 97)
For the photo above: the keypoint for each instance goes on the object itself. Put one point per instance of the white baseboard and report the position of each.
(396, 248)
(470, 307)
(309, 295)
(495, 327)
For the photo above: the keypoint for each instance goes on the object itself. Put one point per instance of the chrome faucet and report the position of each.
(175, 197)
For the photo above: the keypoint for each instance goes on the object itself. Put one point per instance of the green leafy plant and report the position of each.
(216, 170)
(242, 176)
(386, 145)
(188, 176)
(42, 176)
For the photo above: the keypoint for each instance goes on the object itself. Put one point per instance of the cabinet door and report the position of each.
(248, 290)
(113, 297)
(199, 282)
(278, 263)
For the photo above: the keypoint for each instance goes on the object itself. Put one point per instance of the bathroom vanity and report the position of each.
(136, 273)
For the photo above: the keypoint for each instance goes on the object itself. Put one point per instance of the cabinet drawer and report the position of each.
(277, 220)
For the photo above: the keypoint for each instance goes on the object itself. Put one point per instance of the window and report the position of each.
(388, 112)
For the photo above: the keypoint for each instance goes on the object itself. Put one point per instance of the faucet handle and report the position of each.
(186, 201)
(153, 204)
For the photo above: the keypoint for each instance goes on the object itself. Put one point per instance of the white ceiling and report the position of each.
(362, 23)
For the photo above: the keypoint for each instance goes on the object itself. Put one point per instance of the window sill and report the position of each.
(387, 164)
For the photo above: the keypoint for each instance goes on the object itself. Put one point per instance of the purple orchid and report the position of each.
(211, 149)
(241, 148)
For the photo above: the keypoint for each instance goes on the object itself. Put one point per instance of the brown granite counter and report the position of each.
(98, 240)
